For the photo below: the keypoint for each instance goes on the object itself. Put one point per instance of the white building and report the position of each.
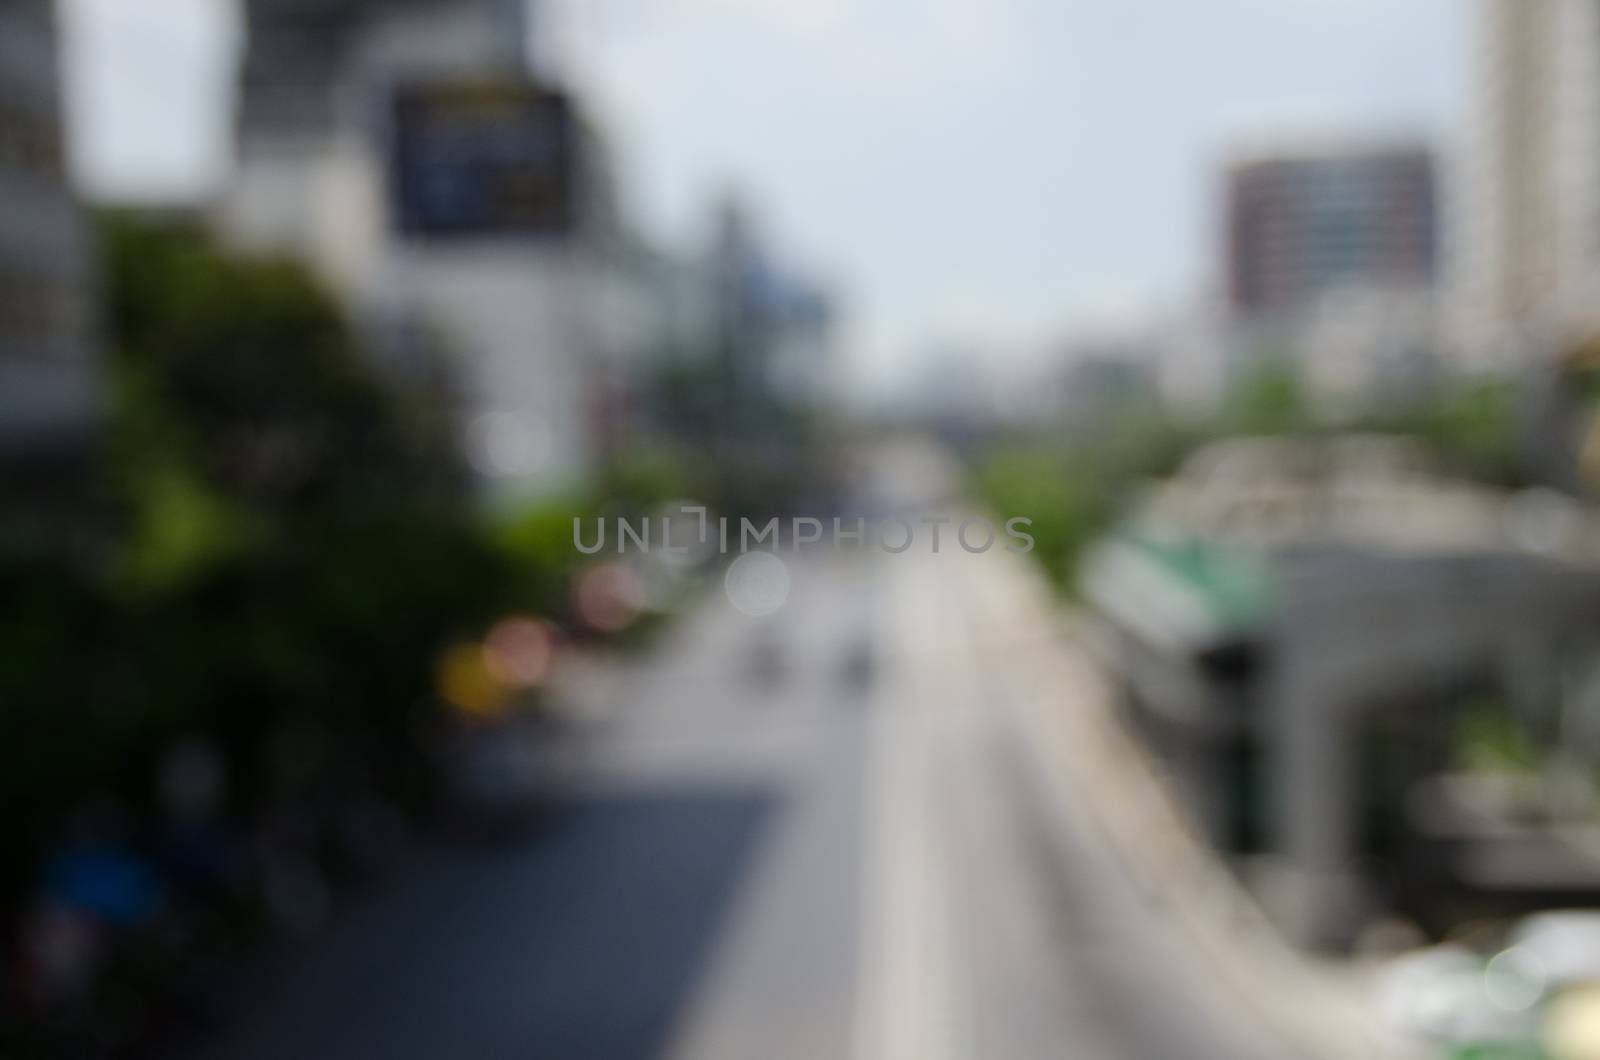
(407, 153)
(1368, 344)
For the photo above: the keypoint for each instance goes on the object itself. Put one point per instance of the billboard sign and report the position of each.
(485, 157)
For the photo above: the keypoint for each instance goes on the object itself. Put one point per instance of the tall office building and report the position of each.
(1331, 263)
(46, 373)
(1306, 224)
(1527, 269)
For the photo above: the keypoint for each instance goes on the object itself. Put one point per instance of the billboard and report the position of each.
(484, 157)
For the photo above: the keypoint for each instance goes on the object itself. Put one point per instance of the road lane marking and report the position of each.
(910, 1006)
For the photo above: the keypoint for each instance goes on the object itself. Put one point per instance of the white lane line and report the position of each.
(910, 1007)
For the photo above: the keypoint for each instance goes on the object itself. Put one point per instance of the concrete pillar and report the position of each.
(1314, 827)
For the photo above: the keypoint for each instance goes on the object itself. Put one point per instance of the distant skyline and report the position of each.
(985, 173)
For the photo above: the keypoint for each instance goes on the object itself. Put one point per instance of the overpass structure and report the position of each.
(1358, 633)
(1275, 599)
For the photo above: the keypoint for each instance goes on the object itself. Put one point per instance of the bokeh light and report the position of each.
(757, 583)
(466, 681)
(507, 444)
(519, 651)
(1572, 1025)
(608, 597)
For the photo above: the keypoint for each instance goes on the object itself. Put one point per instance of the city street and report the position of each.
(596, 530)
(894, 819)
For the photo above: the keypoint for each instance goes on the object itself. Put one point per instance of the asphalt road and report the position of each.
(882, 823)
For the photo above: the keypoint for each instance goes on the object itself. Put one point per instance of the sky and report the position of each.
(149, 94)
(993, 174)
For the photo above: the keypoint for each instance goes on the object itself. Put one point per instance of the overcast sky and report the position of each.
(984, 172)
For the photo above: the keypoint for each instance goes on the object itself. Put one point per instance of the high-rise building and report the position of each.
(46, 373)
(1527, 268)
(1306, 224)
(1331, 264)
